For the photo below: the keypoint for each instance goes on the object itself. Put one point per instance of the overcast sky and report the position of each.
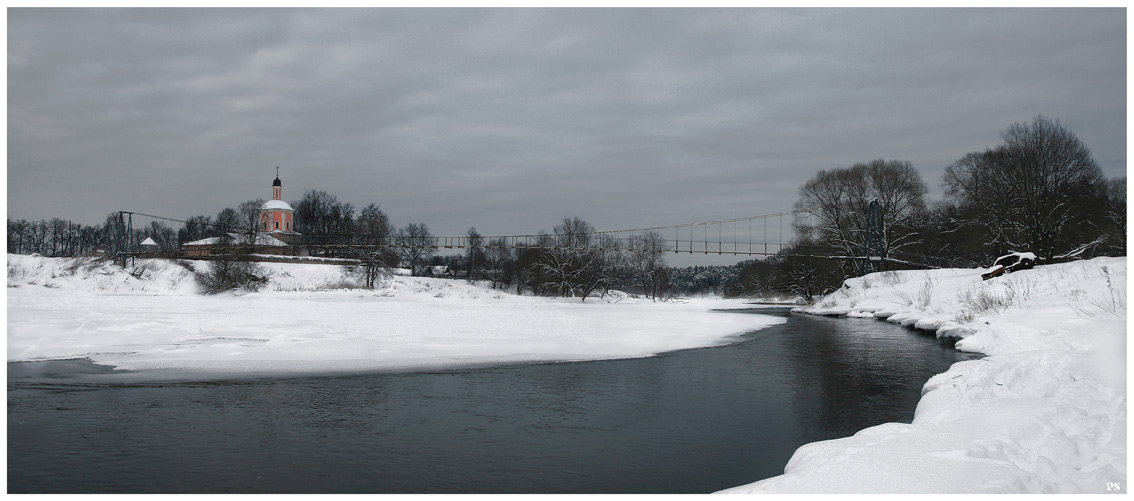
(510, 120)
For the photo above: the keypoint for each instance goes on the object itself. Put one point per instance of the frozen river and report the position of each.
(689, 421)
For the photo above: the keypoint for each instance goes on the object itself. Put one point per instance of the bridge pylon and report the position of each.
(124, 245)
(875, 259)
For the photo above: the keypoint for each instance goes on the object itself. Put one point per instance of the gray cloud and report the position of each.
(510, 120)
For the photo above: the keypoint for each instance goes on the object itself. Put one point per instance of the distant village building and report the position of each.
(207, 246)
(148, 247)
(263, 244)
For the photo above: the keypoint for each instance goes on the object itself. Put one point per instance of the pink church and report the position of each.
(276, 216)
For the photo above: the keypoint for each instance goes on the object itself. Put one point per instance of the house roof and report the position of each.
(262, 240)
(204, 241)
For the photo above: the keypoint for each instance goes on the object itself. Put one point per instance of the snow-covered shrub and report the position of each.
(323, 286)
(890, 277)
(1115, 300)
(984, 301)
(964, 316)
(73, 266)
(925, 294)
(920, 299)
(226, 273)
(372, 273)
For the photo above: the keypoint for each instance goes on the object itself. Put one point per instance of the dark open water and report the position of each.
(691, 421)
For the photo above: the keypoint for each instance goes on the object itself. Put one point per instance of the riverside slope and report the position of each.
(1043, 412)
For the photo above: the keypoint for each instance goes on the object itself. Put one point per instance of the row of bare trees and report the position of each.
(55, 237)
(1040, 190)
(574, 260)
(62, 238)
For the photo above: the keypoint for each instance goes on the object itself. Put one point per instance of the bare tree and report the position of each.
(40, 238)
(563, 259)
(248, 221)
(529, 265)
(17, 230)
(195, 228)
(834, 206)
(646, 259)
(162, 235)
(606, 263)
(415, 245)
(91, 238)
(313, 212)
(497, 258)
(57, 236)
(474, 254)
(324, 220)
(372, 231)
(372, 266)
(804, 276)
(227, 221)
(580, 261)
(1115, 215)
(1033, 192)
(373, 226)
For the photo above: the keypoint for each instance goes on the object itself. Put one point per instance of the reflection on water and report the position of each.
(690, 421)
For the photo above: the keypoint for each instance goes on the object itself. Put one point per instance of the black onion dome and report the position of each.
(277, 182)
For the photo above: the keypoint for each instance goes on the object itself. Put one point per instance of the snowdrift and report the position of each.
(308, 319)
(1044, 412)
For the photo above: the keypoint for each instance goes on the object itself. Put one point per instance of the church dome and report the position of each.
(277, 182)
(276, 205)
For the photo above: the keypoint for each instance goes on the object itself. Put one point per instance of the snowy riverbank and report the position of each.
(1044, 412)
(154, 321)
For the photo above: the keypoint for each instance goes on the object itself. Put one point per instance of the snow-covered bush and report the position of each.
(981, 300)
(920, 299)
(226, 274)
(890, 277)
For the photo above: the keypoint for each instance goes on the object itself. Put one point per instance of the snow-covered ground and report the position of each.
(1044, 412)
(154, 321)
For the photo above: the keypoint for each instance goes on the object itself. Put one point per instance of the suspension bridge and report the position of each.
(758, 235)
